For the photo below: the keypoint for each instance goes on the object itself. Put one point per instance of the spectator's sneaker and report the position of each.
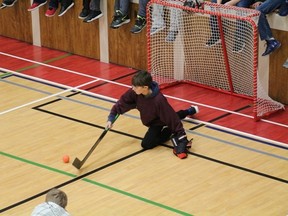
(238, 46)
(36, 5)
(193, 110)
(171, 37)
(84, 13)
(50, 12)
(213, 41)
(140, 23)
(2, 6)
(93, 15)
(119, 19)
(9, 3)
(65, 8)
(272, 45)
(155, 30)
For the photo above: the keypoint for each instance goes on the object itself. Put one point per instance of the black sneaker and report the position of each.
(213, 41)
(238, 46)
(193, 110)
(84, 13)
(272, 45)
(65, 8)
(93, 15)
(119, 19)
(9, 3)
(140, 23)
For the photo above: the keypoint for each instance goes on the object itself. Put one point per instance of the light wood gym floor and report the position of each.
(54, 104)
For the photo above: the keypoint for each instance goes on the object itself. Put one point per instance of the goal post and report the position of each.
(214, 46)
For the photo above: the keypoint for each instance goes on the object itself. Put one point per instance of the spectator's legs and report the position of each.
(95, 5)
(95, 12)
(121, 8)
(85, 10)
(263, 26)
(53, 4)
(142, 8)
(141, 17)
(157, 19)
(239, 43)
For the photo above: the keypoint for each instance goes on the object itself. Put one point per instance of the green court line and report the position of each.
(5, 74)
(98, 184)
(37, 164)
(48, 61)
(137, 197)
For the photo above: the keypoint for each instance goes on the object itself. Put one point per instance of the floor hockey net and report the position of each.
(214, 46)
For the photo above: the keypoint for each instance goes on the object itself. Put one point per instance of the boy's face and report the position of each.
(140, 90)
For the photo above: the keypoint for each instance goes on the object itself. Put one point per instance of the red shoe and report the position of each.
(180, 155)
(50, 12)
(36, 5)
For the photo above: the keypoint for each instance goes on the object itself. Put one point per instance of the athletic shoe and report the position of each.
(179, 155)
(2, 6)
(65, 8)
(93, 15)
(171, 37)
(119, 19)
(84, 13)
(193, 110)
(140, 23)
(36, 5)
(213, 41)
(155, 30)
(9, 3)
(239, 45)
(180, 146)
(272, 45)
(50, 12)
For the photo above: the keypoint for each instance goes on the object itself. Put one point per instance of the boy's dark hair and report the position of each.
(142, 78)
(57, 196)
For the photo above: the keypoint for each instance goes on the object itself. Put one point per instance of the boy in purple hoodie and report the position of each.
(156, 113)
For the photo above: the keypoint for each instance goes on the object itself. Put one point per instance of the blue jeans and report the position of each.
(123, 6)
(213, 19)
(265, 8)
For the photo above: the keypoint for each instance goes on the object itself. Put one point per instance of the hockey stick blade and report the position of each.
(77, 163)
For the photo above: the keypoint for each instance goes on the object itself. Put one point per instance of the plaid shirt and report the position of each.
(49, 209)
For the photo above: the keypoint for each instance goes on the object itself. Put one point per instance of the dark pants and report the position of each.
(238, 33)
(91, 5)
(159, 134)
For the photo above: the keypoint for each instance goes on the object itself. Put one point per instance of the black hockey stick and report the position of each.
(78, 163)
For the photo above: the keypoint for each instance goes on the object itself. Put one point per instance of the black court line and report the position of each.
(198, 155)
(234, 166)
(227, 114)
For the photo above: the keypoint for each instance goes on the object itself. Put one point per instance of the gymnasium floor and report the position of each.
(54, 103)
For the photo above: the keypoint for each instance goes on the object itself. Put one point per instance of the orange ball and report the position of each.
(66, 159)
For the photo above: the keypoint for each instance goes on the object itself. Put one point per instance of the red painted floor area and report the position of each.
(73, 70)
